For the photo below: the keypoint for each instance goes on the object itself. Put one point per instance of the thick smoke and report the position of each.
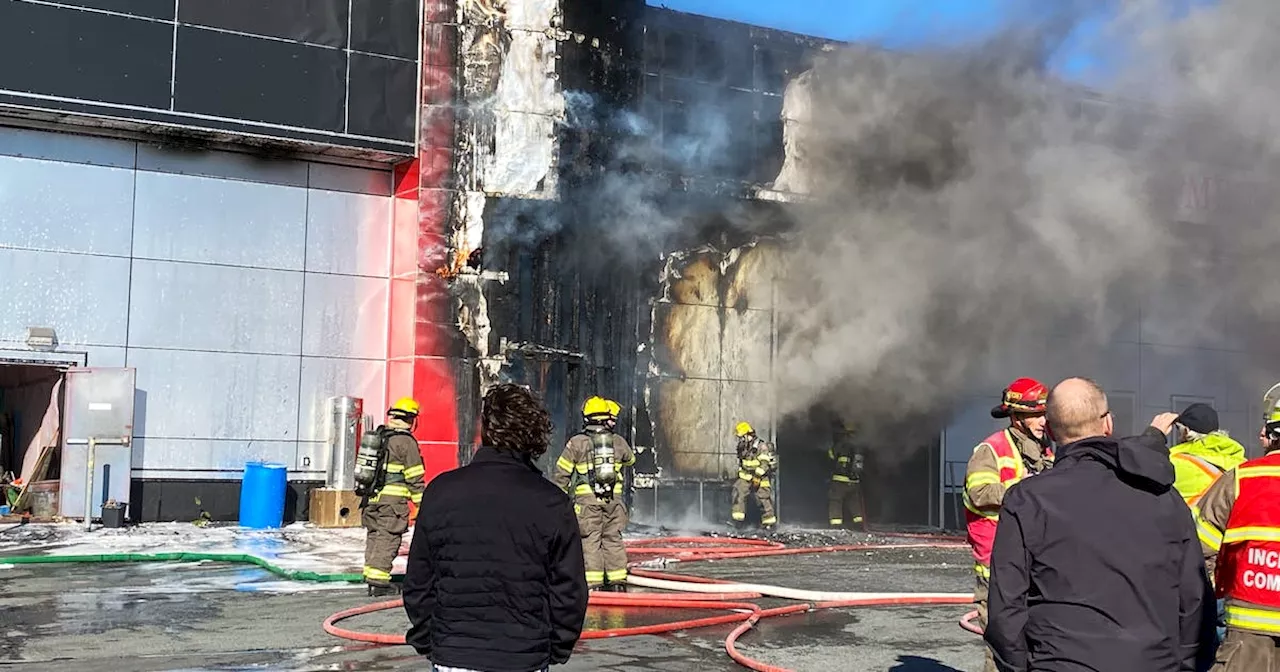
(968, 213)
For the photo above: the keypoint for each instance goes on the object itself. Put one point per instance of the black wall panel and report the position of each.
(382, 97)
(154, 9)
(297, 70)
(86, 55)
(314, 21)
(229, 75)
(388, 27)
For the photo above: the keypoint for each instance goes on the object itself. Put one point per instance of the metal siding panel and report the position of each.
(324, 377)
(348, 233)
(84, 298)
(39, 208)
(344, 316)
(209, 454)
(184, 218)
(210, 395)
(313, 458)
(246, 167)
(1166, 371)
(200, 307)
(345, 178)
(33, 144)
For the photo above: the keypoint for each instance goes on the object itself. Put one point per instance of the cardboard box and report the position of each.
(334, 508)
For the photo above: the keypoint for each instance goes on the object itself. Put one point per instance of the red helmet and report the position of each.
(1024, 395)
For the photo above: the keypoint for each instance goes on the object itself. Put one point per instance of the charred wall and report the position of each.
(645, 271)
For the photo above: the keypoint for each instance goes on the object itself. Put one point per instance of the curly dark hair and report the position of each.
(513, 419)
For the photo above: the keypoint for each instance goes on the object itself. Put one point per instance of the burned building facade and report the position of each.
(583, 196)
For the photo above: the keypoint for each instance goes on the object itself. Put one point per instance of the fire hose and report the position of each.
(700, 593)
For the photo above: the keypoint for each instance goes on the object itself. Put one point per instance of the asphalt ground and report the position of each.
(210, 616)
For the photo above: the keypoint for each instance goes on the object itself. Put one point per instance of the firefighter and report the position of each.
(845, 492)
(1001, 460)
(757, 461)
(590, 470)
(1238, 522)
(1203, 454)
(397, 492)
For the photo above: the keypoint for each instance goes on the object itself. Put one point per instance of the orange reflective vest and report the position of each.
(981, 524)
(1249, 560)
(1208, 468)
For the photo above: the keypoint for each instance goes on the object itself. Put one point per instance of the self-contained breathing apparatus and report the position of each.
(603, 472)
(371, 462)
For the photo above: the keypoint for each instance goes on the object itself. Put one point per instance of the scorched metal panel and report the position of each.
(324, 377)
(214, 395)
(39, 211)
(314, 21)
(345, 316)
(383, 98)
(209, 220)
(72, 53)
(241, 77)
(83, 297)
(224, 308)
(348, 233)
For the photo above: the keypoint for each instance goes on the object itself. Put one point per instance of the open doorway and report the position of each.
(31, 409)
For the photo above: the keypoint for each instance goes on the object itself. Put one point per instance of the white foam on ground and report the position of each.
(296, 547)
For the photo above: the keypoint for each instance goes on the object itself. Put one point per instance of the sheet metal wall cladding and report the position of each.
(307, 72)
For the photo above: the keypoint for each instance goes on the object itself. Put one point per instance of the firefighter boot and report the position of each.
(377, 590)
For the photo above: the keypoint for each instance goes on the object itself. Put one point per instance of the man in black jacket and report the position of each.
(495, 580)
(1096, 564)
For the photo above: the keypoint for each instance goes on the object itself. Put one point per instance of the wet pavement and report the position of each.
(213, 616)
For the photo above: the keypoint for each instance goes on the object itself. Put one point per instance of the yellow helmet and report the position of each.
(594, 406)
(742, 429)
(614, 408)
(406, 406)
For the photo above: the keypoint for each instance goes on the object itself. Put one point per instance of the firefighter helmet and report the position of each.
(595, 407)
(614, 408)
(1024, 395)
(1271, 408)
(405, 406)
(742, 429)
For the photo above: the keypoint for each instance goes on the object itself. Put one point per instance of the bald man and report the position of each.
(1096, 563)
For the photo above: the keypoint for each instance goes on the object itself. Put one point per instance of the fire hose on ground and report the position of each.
(700, 593)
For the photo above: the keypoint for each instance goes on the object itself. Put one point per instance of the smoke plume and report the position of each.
(968, 213)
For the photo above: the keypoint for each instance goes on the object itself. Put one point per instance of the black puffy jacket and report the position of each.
(495, 578)
(1097, 566)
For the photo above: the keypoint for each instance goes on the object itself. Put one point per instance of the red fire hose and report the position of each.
(691, 549)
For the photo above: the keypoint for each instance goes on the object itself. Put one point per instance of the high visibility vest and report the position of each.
(980, 524)
(1249, 560)
(1192, 488)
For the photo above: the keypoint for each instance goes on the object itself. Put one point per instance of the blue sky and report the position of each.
(907, 23)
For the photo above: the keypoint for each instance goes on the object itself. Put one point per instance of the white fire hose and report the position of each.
(787, 593)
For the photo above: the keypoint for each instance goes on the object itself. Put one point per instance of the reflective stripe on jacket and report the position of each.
(758, 463)
(981, 520)
(1248, 562)
(1197, 464)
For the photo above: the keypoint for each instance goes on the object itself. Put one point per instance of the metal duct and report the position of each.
(344, 420)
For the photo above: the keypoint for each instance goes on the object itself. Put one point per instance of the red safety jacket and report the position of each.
(1249, 560)
(981, 524)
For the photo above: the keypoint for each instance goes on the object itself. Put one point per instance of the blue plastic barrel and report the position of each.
(262, 495)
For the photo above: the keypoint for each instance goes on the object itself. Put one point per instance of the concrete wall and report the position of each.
(243, 290)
